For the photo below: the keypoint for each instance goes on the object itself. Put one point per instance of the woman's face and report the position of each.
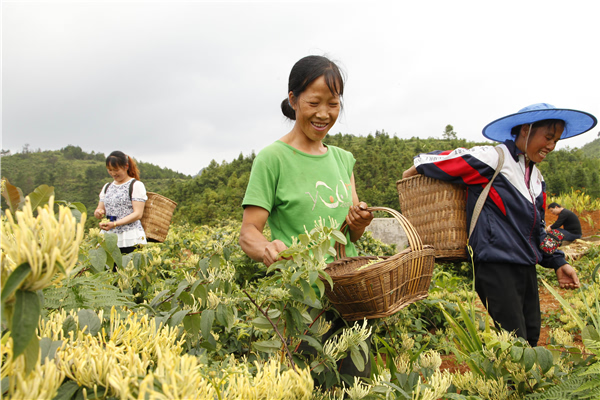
(542, 140)
(316, 108)
(119, 174)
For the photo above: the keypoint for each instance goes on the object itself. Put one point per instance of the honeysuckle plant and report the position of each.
(37, 251)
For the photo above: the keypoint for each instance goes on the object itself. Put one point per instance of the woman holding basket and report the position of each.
(509, 238)
(299, 179)
(122, 202)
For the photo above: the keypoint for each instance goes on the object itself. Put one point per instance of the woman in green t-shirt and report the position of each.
(298, 179)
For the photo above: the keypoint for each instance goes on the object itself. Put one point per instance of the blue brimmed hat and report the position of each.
(576, 122)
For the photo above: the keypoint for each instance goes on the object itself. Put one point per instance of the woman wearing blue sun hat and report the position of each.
(509, 238)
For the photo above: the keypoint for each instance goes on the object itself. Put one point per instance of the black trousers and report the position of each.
(510, 294)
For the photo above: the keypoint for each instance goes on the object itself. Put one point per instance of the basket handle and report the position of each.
(414, 240)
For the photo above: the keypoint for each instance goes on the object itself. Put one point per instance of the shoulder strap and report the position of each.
(130, 188)
(484, 194)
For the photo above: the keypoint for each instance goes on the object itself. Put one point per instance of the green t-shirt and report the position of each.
(297, 188)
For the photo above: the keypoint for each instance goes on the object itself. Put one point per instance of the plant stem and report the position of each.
(276, 330)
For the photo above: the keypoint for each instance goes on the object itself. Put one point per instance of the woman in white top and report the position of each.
(122, 204)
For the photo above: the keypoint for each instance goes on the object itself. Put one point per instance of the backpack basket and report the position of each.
(156, 220)
(380, 289)
(438, 211)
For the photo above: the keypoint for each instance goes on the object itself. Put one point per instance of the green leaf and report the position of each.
(339, 237)
(312, 342)
(78, 206)
(544, 358)
(203, 266)
(327, 278)
(180, 288)
(357, 359)
(222, 314)
(157, 299)
(206, 322)
(15, 279)
(90, 319)
(308, 290)
(529, 358)
(191, 323)
(321, 287)
(40, 196)
(186, 299)
(177, 318)
(31, 354)
(201, 293)
(69, 325)
(295, 276)
(261, 323)
(267, 346)
(98, 258)
(313, 276)
(66, 391)
(49, 347)
(25, 320)
(516, 353)
(215, 261)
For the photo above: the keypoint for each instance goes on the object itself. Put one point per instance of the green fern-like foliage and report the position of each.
(92, 292)
(576, 387)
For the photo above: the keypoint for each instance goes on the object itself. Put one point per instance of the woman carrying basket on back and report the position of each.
(299, 179)
(509, 238)
(122, 202)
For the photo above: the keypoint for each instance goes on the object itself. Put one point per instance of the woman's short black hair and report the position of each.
(539, 124)
(307, 70)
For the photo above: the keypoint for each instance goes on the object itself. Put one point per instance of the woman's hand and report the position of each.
(99, 213)
(107, 226)
(412, 171)
(272, 251)
(358, 217)
(567, 277)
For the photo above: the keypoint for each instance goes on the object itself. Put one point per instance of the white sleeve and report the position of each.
(102, 192)
(139, 192)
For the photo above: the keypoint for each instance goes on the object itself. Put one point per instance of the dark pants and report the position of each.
(568, 236)
(510, 294)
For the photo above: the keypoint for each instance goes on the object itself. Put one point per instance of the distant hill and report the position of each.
(76, 175)
(217, 192)
(592, 149)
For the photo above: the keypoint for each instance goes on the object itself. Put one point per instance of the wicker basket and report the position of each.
(382, 288)
(156, 220)
(438, 211)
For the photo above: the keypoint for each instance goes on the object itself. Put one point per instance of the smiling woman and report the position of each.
(122, 202)
(299, 179)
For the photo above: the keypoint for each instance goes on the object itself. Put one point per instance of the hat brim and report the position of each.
(576, 122)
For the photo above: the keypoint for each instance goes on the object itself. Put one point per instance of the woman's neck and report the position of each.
(299, 141)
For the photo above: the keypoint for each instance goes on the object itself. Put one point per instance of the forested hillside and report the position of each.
(75, 174)
(380, 160)
(216, 194)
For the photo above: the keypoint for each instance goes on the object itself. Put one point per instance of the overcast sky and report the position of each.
(179, 84)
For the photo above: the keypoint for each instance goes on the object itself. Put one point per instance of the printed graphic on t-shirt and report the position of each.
(341, 196)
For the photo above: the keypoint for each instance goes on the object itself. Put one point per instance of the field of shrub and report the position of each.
(195, 318)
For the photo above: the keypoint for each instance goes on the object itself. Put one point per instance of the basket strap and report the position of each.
(484, 194)
(414, 240)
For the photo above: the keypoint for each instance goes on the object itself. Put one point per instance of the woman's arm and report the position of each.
(138, 211)
(252, 239)
(358, 217)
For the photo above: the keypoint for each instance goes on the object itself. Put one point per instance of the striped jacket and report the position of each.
(511, 225)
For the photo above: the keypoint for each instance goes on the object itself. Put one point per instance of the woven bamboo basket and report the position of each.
(438, 211)
(381, 289)
(156, 220)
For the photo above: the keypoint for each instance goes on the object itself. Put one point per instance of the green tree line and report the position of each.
(216, 193)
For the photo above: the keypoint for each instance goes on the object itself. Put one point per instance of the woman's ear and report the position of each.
(292, 100)
(524, 130)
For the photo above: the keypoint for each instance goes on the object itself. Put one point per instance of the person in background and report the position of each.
(121, 203)
(299, 179)
(508, 238)
(571, 227)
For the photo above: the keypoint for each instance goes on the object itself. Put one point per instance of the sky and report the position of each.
(180, 83)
